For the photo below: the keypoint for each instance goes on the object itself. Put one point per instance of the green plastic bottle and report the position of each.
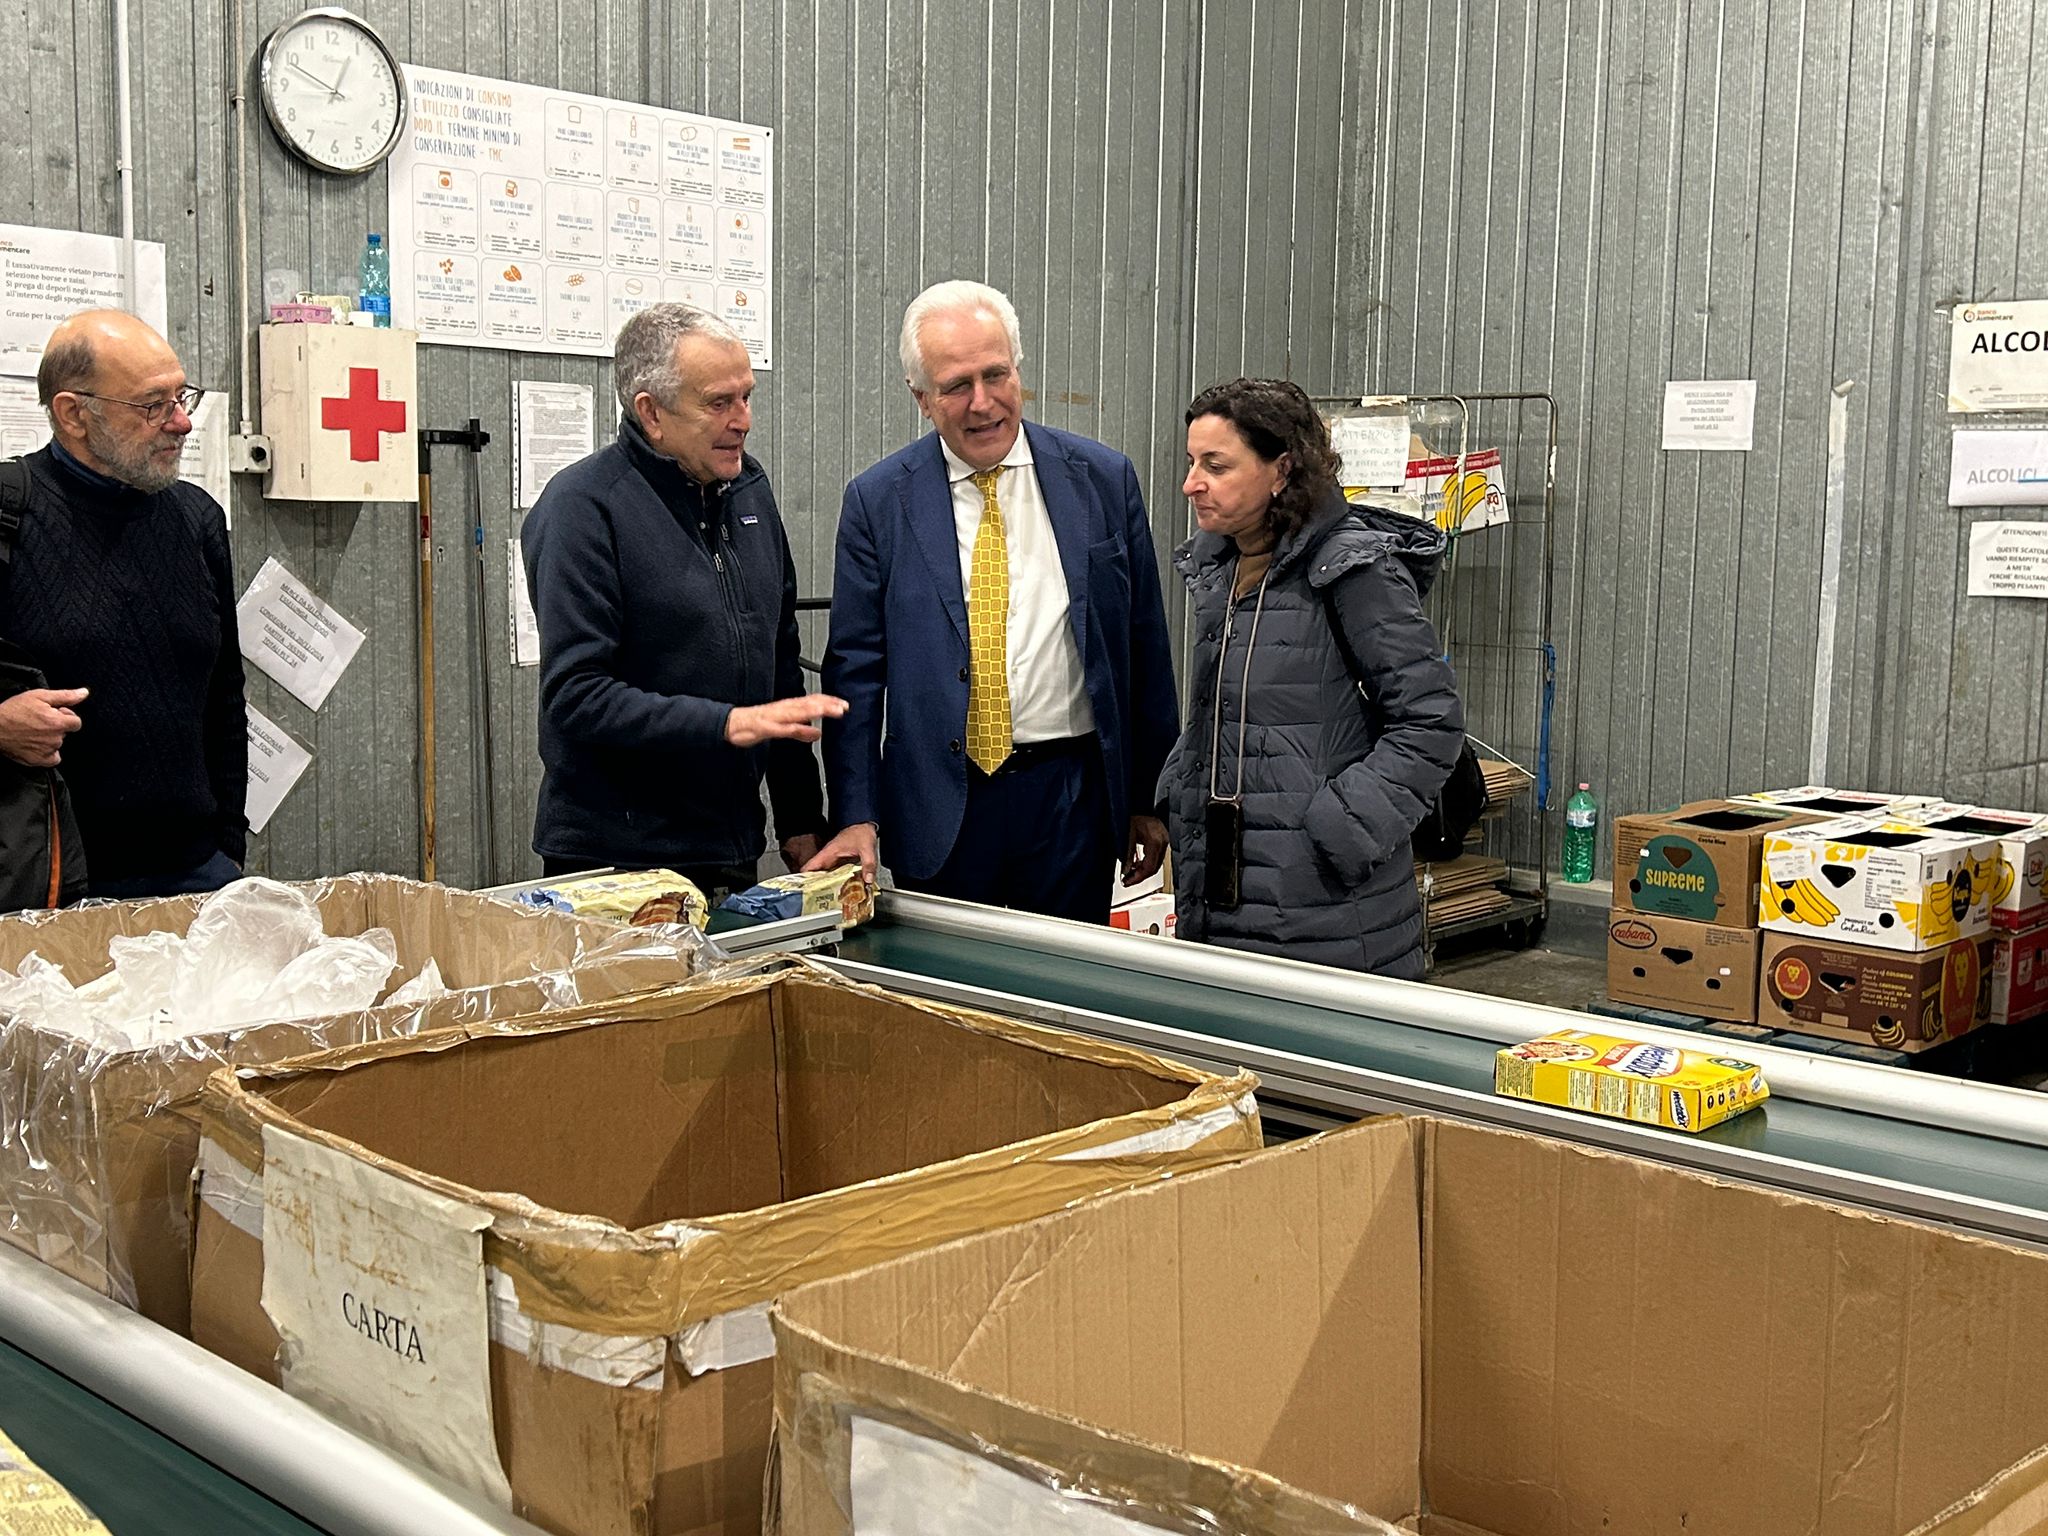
(1581, 833)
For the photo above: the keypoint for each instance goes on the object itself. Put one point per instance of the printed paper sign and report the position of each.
(1998, 357)
(204, 462)
(294, 637)
(525, 628)
(276, 762)
(2009, 560)
(552, 429)
(1711, 415)
(541, 220)
(23, 426)
(376, 1287)
(1372, 446)
(48, 275)
(897, 1480)
(1998, 469)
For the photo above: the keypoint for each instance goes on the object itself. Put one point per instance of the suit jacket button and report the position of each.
(955, 746)
(963, 674)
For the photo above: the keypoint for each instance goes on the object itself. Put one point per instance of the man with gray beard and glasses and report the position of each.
(121, 592)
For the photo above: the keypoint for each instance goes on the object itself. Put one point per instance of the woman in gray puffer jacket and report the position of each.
(1322, 717)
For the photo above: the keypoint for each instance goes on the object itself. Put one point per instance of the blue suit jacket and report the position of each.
(898, 653)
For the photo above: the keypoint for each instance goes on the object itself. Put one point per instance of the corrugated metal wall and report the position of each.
(1584, 197)
(1590, 197)
(1049, 148)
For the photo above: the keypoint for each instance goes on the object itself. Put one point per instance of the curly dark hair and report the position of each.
(1276, 416)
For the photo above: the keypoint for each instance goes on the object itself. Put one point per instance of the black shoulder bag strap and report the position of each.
(13, 503)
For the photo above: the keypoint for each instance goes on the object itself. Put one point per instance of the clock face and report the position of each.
(333, 91)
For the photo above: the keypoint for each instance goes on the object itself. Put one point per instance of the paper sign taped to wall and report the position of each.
(525, 627)
(2009, 560)
(1373, 447)
(294, 637)
(48, 275)
(1998, 357)
(276, 762)
(1710, 415)
(376, 1286)
(1998, 469)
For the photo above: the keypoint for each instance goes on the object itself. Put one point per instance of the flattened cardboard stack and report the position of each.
(1874, 931)
(1683, 933)
(539, 1258)
(1457, 1331)
(96, 1146)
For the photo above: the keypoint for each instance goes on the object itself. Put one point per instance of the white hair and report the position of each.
(644, 356)
(956, 296)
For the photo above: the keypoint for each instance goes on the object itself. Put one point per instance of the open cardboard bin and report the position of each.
(97, 1146)
(1431, 1327)
(539, 1260)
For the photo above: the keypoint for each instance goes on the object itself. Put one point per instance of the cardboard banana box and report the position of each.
(1824, 801)
(1667, 962)
(1880, 882)
(1700, 862)
(1903, 1002)
(2019, 885)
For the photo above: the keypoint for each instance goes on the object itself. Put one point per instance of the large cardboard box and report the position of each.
(1667, 962)
(97, 1146)
(1878, 881)
(1700, 862)
(613, 1198)
(2019, 976)
(2019, 890)
(1903, 1002)
(1457, 1330)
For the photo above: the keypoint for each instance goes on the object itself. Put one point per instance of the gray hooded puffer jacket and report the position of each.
(1333, 787)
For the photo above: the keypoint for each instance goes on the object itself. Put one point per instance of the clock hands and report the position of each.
(329, 89)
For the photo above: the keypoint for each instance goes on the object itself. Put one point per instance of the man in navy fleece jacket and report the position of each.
(666, 598)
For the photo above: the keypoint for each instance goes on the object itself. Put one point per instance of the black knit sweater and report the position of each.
(133, 597)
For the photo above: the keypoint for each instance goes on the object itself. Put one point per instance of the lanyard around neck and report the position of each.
(1244, 687)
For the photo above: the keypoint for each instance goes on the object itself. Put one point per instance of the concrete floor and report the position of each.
(1550, 976)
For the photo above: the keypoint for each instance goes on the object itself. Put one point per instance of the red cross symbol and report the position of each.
(362, 415)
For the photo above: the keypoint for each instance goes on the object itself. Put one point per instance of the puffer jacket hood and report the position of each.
(1339, 766)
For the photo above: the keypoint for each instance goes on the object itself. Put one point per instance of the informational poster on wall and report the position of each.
(538, 220)
(47, 274)
(2009, 560)
(1998, 357)
(2006, 468)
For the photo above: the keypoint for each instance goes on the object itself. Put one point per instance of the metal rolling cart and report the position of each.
(1486, 473)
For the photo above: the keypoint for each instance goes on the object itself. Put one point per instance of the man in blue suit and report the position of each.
(1000, 641)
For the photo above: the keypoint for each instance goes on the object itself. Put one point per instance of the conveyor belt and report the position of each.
(1339, 1059)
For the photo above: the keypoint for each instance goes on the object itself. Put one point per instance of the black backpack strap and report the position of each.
(13, 503)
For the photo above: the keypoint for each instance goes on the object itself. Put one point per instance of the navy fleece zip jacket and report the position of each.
(662, 605)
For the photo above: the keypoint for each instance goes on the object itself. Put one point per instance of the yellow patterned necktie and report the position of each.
(988, 633)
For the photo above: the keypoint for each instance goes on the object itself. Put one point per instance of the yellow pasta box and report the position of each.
(1629, 1079)
(32, 1503)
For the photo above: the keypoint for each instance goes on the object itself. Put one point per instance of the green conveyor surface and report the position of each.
(1976, 1166)
(135, 1480)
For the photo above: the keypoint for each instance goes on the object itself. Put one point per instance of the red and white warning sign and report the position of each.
(341, 406)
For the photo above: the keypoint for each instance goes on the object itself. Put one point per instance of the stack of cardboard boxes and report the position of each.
(1683, 932)
(1891, 921)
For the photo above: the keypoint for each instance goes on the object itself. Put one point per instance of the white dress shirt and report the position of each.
(1048, 693)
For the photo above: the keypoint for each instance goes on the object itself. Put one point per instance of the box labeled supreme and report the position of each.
(1700, 862)
(2019, 885)
(1415, 1325)
(1901, 1001)
(1667, 962)
(1880, 882)
(1629, 1079)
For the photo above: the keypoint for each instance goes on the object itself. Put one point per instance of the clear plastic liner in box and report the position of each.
(860, 1463)
(113, 1015)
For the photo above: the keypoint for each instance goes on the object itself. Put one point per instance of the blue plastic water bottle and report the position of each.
(375, 272)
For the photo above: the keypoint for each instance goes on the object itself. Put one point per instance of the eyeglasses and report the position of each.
(155, 412)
